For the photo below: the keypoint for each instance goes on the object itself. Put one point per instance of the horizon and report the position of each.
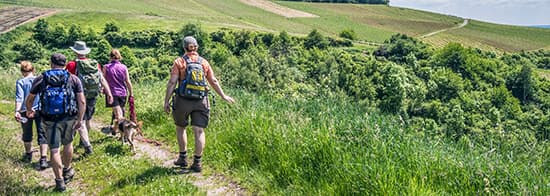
(511, 12)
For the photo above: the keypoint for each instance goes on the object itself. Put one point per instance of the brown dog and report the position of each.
(128, 130)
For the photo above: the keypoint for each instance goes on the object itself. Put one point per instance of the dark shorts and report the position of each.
(90, 108)
(27, 129)
(199, 110)
(59, 132)
(117, 101)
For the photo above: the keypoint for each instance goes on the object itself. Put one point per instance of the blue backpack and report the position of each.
(194, 85)
(57, 100)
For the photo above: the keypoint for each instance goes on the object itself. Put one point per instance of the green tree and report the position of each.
(101, 52)
(41, 31)
(128, 57)
(29, 50)
(348, 34)
(111, 26)
(392, 91)
(282, 45)
(315, 40)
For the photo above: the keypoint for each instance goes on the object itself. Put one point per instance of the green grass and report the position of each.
(331, 146)
(277, 146)
(370, 22)
(503, 37)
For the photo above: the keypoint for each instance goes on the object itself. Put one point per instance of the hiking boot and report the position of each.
(68, 175)
(182, 161)
(60, 185)
(88, 150)
(27, 157)
(43, 163)
(196, 166)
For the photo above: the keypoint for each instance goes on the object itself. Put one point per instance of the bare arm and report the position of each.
(129, 84)
(107, 89)
(169, 90)
(81, 100)
(213, 81)
(28, 103)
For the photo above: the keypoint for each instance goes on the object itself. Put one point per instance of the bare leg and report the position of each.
(83, 131)
(118, 112)
(200, 140)
(56, 163)
(67, 155)
(182, 138)
(43, 150)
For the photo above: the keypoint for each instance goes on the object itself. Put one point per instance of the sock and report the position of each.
(198, 158)
(183, 154)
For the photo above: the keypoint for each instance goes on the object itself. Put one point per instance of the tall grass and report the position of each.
(332, 145)
(327, 145)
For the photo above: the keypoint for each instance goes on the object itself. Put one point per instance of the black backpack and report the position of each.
(57, 100)
(194, 85)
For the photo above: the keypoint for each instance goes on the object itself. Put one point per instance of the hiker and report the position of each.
(118, 79)
(62, 105)
(22, 88)
(88, 70)
(192, 73)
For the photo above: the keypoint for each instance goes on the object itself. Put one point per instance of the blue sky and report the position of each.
(513, 12)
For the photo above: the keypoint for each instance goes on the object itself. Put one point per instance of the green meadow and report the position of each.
(374, 23)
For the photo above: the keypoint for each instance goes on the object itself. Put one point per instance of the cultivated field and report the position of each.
(373, 23)
(10, 17)
(277, 9)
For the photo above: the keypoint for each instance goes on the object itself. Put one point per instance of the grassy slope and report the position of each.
(491, 36)
(370, 22)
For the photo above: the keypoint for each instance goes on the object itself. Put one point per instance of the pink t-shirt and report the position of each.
(115, 74)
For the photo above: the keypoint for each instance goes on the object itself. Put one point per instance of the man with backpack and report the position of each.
(62, 105)
(192, 73)
(88, 71)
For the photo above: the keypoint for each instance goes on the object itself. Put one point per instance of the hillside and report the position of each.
(374, 23)
(313, 115)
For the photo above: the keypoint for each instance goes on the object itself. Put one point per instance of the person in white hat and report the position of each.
(89, 72)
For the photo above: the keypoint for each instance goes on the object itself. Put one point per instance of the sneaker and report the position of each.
(196, 166)
(68, 175)
(182, 161)
(88, 150)
(43, 163)
(60, 185)
(27, 157)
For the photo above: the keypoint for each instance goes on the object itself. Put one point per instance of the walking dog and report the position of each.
(128, 130)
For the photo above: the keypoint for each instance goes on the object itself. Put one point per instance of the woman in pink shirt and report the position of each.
(118, 79)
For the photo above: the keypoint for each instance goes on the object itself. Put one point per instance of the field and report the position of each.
(374, 23)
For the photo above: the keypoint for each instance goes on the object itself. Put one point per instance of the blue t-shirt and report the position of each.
(22, 90)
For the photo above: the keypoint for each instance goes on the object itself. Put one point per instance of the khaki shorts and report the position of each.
(60, 132)
(199, 110)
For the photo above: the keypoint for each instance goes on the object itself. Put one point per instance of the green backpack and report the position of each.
(90, 77)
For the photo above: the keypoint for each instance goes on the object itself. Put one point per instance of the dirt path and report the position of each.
(215, 184)
(11, 17)
(448, 29)
(278, 9)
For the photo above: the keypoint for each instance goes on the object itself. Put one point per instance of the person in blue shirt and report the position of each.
(22, 88)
